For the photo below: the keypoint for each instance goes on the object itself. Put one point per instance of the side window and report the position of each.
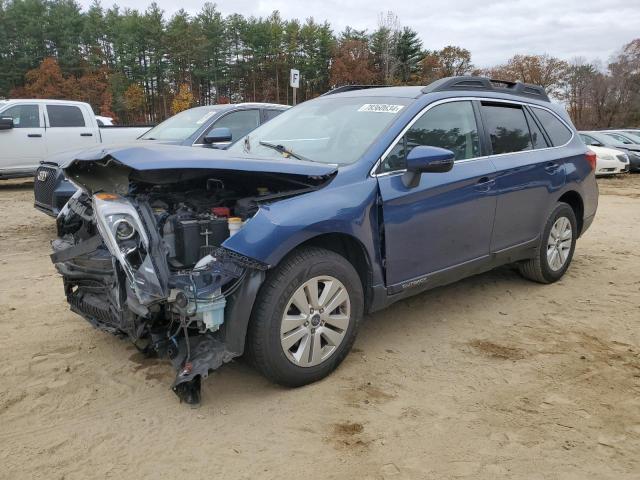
(271, 114)
(507, 128)
(556, 130)
(619, 138)
(24, 116)
(451, 125)
(589, 140)
(537, 138)
(240, 123)
(65, 116)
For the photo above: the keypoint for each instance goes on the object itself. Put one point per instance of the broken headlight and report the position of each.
(124, 234)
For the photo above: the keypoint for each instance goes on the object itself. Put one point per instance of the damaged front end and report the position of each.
(142, 255)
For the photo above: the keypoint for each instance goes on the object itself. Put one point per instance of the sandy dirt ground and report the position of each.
(493, 377)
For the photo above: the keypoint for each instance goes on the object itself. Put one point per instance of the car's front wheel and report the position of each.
(555, 251)
(306, 317)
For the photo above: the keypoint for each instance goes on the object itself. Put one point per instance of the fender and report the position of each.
(278, 228)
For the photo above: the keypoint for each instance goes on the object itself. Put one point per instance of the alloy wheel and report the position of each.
(559, 243)
(315, 321)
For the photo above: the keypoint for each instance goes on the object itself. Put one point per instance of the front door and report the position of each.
(23, 146)
(447, 220)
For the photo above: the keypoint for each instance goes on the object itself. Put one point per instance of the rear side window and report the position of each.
(450, 125)
(556, 130)
(24, 116)
(65, 116)
(507, 127)
(590, 140)
(269, 114)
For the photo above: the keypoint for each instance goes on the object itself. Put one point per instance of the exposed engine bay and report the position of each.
(142, 256)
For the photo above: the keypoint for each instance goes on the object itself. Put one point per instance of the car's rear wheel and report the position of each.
(306, 317)
(555, 251)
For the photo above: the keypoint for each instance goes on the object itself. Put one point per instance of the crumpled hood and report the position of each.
(64, 158)
(112, 168)
(169, 157)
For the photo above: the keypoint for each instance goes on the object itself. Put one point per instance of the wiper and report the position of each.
(284, 150)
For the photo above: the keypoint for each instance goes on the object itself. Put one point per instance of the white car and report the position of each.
(32, 130)
(610, 161)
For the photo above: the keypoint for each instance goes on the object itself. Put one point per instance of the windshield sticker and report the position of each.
(380, 108)
(206, 117)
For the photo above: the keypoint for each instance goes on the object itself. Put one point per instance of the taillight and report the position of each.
(591, 158)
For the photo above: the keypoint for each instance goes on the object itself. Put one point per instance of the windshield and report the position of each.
(182, 125)
(620, 138)
(634, 137)
(327, 130)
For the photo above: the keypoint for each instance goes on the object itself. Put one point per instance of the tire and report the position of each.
(542, 268)
(269, 330)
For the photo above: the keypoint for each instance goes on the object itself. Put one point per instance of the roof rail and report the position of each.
(487, 84)
(348, 88)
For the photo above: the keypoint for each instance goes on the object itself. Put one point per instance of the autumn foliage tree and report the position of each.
(183, 99)
(352, 64)
(544, 70)
(46, 81)
(134, 103)
(451, 61)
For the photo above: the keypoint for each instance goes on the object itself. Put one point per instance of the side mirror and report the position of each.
(218, 135)
(6, 123)
(425, 159)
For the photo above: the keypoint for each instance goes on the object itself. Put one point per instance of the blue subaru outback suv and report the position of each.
(335, 208)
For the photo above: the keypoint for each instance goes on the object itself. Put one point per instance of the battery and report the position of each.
(196, 238)
(213, 231)
(188, 241)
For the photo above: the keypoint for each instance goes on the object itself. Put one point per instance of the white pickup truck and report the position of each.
(31, 130)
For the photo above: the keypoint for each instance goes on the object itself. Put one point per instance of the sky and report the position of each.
(493, 30)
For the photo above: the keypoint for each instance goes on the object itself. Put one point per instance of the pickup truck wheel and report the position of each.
(555, 251)
(306, 317)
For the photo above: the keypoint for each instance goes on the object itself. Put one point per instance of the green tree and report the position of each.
(409, 53)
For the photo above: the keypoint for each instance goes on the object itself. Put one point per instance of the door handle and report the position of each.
(86, 134)
(551, 167)
(34, 135)
(484, 184)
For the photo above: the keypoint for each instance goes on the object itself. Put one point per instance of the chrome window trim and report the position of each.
(418, 115)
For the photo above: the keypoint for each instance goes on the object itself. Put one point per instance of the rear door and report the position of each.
(68, 128)
(23, 146)
(446, 220)
(528, 171)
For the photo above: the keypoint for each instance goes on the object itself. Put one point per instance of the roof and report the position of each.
(402, 92)
(229, 106)
(459, 85)
(45, 100)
